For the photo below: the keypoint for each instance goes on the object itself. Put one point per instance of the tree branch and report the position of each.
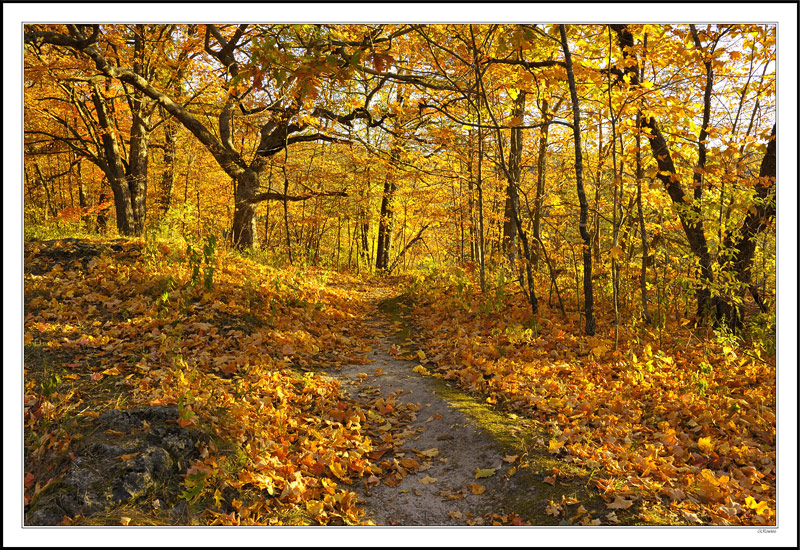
(273, 196)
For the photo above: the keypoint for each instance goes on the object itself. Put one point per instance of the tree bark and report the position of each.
(576, 132)
(541, 169)
(114, 169)
(168, 176)
(742, 242)
(515, 171)
(688, 210)
(386, 222)
(642, 228)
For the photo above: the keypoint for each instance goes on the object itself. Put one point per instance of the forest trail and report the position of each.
(445, 442)
(450, 467)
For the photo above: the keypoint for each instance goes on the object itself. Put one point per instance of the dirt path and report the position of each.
(440, 438)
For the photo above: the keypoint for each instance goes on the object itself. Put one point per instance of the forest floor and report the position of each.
(162, 388)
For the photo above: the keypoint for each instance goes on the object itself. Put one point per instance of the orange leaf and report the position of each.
(123, 458)
(476, 489)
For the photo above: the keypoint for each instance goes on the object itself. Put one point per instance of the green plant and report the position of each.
(162, 301)
(50, 383)
(700, 378)
(196, 260)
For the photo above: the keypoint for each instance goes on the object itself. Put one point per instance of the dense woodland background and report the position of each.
(385, 147)
(607, 187)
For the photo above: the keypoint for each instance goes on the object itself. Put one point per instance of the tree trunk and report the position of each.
(515, 170)
(688, 211)
(244, 213)
(114, 170)
(742, 243)
(642, 228)
(541, 166)
(168, 176)
(576, 132)
(386, 222)
(137, 171)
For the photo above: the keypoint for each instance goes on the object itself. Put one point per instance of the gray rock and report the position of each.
(110, 470)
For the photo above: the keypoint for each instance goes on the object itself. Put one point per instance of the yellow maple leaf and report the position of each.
(705, 445)
(314, 507)
(337, 469)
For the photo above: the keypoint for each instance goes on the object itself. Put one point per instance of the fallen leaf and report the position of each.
(427, 480)
(553, 509)
(619, 503)
(409, 463)
(705, 445)
(551, 480)
(124, 520)
(510, 458)
(455, 514)
(691, 516)
(430, 453)
(314, 507)
(484, 472)
(372, 480)
(129, 456)
(476, 489)
(612, 517)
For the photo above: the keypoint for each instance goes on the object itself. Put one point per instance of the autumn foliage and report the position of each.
(581, 219)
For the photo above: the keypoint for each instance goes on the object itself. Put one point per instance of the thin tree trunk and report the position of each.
(386, 223)
(642, 228)
(541, 166)
(515, 169)
(576, 132)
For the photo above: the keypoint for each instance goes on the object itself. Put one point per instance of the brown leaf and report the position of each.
(619, 503)
(409, 463)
